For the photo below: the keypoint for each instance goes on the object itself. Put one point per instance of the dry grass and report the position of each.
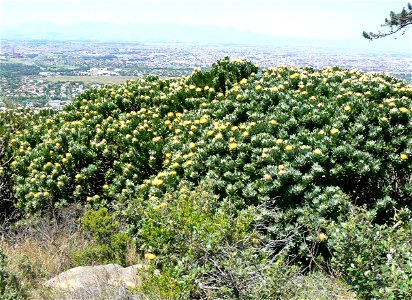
(43, 248)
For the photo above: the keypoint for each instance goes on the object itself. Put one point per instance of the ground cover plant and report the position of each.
(235, 175)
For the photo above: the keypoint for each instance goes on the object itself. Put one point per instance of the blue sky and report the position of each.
(325, 19)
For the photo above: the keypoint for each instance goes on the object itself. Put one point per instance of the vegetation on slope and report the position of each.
(233, 181)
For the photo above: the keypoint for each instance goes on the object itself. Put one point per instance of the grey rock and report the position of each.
(96, 282)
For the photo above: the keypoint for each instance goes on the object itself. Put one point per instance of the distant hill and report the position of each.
(170, 33)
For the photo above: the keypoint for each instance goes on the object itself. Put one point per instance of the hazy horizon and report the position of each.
(299, 23)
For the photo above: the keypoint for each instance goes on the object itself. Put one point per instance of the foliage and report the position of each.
(184, 229)
(376, 260)
(196, 166)
(204, 253)
(10, 286)
(12, 70)
(12, 123)
(110, 243)
(223, 75)
(396, 22)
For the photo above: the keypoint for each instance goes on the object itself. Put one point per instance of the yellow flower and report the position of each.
(403, 109)
(322, 237)
(243, 81)
(258, 87)
(210, 132)
(150, 256)
(246, 134)
(334, 131)
(273, 122)
(279, 141)
(157, 182)
(404, 156)
(192, 145)
(161, 205)
(384, 119)
(281, 167)
(317, 151)
(232, 146)
(267, 177)
(289, 148)
(347, 108)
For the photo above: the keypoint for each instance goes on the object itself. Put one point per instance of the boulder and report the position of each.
(110, 281)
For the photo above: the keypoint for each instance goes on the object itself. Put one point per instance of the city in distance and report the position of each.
(44, 71)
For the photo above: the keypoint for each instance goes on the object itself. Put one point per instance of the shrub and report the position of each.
(223, 75)
(296, 146)
(12, 123)
(210, 251)
(376, 260)
(10, 284)
(110, 245)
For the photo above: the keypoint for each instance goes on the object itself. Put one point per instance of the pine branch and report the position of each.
(396, 22)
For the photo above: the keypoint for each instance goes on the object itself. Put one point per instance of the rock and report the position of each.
(96, 282)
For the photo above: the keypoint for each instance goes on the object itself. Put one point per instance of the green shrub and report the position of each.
(14, 122)
(224, 74)
(10, 283)
(110, 244)
(206, 249)
(99, 224)
(296, 146)
(376, 260)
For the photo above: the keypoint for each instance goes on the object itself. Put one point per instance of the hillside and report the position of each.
(232, 181)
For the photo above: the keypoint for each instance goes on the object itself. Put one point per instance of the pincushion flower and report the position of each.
(317, 151)
(267, 177)
(157, 182)
(232, 146)
(150, 256)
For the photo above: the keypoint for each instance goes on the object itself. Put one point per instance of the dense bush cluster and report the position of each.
(277, 159)
(13, 122)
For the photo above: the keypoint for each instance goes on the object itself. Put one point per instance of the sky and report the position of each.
(327, 19)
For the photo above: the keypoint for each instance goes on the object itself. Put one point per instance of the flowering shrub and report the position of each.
(13, 122)
(300, 145)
